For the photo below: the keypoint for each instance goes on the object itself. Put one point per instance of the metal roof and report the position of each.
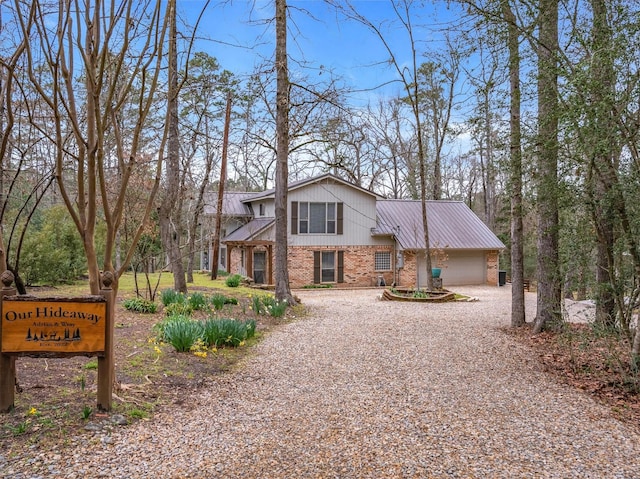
(232, 203)
(452, 225)
(249, 231)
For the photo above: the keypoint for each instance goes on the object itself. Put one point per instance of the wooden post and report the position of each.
(106, 373)
(7, 362)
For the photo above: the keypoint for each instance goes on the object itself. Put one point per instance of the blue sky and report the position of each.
(239, 38)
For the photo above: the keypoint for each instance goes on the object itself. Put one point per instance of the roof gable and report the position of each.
(326, 178)
(452, 225)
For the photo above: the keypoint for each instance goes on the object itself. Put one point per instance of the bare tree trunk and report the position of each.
(215, 253)
(170, 219)
(518, 317)
(283, 290)
(549, 314)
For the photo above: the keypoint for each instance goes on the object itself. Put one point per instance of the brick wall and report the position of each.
(492, 268)
(407, 275)
(359, 265)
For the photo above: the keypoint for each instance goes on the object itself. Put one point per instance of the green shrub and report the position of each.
(226, 332)
(140, 305)
(181, 332)
(170, 296)
(274, 307)
(250, 326)
(52, 251)
(178, 309)
(257, 305)
(233, 281)
(218, 301)
(198, 301)
(229, 300)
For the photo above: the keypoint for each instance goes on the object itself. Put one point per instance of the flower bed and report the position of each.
(420, 296)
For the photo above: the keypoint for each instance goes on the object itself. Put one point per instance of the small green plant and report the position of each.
(140, 305)
(318, 286)
(170, 296)
(419, 294)
(21, 428)
(226, 332)
(250, 325)
(182, 332)
(274, 307)
(138, 414)
(86, 412)
(233, 281)
(83, 383)
(91, 365)
(178, 309)
(218, 301)
(197, 301)
(257, 305)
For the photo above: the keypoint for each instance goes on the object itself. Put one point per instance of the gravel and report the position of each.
(361, 388)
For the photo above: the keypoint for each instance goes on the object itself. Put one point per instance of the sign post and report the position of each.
(56, 327)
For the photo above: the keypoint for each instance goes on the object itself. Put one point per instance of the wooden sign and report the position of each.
(53, 326)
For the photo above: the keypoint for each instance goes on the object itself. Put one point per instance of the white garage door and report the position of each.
(463, 267)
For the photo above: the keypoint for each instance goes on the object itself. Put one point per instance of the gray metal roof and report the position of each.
(232, 203)
(249, 231)
(452, 225)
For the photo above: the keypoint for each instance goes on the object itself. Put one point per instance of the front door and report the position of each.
(259, 263)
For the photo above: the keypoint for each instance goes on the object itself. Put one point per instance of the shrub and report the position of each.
(52, 251)
(218, 300)
(178, 309)
(140, 305)
(256, 305)
(250, 326)
(198, 301)
(226, 332)
(233, 281)
(274, 307)
(170, 296)
(182, 332)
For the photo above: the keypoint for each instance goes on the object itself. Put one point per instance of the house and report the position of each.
(342, 234)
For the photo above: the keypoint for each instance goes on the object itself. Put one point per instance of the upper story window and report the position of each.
(261, 208)
(316, 218)
(319, 218)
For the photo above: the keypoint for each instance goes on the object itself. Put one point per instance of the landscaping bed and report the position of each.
(57, 396)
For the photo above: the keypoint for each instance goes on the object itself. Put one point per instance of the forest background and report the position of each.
(112, 120)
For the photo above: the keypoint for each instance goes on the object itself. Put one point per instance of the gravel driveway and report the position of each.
(362, 388)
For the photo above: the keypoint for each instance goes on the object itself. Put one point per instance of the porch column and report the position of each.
(229, 249)
(250, 261)
(270, 264)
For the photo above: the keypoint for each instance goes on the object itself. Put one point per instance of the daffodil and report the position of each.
(33, 411)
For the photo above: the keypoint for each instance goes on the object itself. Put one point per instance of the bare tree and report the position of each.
(409, 78)
(283, 290)
(120, 49)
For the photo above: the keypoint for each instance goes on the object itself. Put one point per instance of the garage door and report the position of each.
(463, 267)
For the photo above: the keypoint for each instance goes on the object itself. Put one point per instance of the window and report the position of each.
(261, 207)
(316, 218)
(328, 273)
(328, 267)
(383, 261)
